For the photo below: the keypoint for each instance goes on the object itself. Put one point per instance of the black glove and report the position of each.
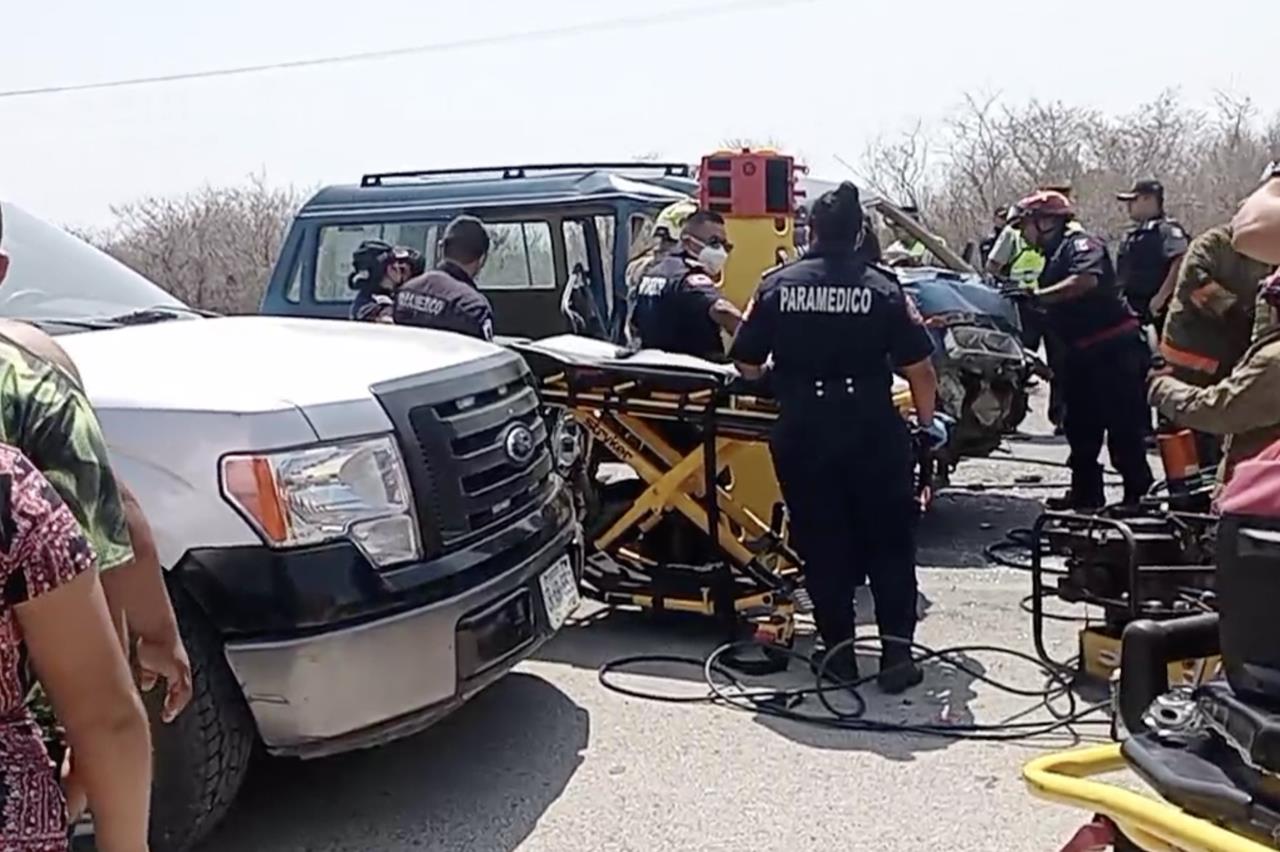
(1013, 291)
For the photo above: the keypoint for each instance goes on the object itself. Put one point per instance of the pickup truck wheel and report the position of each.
(202, 756)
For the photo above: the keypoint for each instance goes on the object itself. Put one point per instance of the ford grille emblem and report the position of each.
(520, 445)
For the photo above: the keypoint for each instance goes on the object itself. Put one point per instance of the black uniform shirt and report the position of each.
(1097, 314)
(445, 298)
(673, 301)
(372, 305)
(1144, 258)
(987, 244)
(836, 328)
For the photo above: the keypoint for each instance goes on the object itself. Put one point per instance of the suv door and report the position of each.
(523, 277)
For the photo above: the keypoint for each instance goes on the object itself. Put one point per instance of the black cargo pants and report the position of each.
(851, 504)
(1106, 398)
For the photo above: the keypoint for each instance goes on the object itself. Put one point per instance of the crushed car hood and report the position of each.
(253, 363)
(939, 292)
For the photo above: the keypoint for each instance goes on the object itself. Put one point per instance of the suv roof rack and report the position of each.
(515, 172)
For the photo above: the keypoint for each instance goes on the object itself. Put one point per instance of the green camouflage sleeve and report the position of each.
(50, 420)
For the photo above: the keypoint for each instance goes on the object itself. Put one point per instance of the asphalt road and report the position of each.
(549, 760)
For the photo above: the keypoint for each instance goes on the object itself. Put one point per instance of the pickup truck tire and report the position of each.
(201, 757)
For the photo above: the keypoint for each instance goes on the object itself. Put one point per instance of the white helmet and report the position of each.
(672, 218)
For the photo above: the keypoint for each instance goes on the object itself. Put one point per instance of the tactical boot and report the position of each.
(898, 670)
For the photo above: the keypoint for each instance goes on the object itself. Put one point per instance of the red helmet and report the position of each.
(1046, 202)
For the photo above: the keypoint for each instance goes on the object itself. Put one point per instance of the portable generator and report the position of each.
(1147, 563)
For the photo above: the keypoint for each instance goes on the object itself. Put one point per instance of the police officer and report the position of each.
(999, 221)
(377, 269)
(678, 307)
(1148, 259)
(1105, 357)
(837, 329)
(446, 297)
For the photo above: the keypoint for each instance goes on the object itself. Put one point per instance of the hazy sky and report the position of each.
(823, 76)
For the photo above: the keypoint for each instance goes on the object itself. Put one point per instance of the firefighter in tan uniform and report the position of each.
(1211, 317)
(1211, 314)
(1245, 405)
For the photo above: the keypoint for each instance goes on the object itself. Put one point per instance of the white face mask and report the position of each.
(713, 258)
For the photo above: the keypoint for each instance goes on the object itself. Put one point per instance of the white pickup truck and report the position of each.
(362, 526)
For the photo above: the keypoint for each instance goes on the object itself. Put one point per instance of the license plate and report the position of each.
(559, 592)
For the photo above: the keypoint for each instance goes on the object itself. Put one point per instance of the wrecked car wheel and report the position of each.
(202, 756)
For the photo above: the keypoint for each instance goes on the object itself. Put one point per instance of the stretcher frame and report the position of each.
(622, 403)
(1072, 777)
(1069, 778)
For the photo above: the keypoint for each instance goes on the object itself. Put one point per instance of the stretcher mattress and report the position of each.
(579, 351)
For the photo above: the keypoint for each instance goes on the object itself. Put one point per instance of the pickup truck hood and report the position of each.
(242, 365)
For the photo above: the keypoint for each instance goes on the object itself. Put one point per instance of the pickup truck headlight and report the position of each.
(357, 490)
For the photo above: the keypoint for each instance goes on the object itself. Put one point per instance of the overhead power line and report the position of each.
(648, 20)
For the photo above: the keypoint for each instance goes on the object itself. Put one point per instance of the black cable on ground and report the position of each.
(1019, 540)
(725, 688)
(1025, 605)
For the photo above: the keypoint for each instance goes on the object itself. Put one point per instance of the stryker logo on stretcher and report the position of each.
(824, 299)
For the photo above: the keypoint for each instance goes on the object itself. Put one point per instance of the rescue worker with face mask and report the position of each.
(1105, 358)
(678, 305)
(377, 269)
(664, 240)
(447, 298)
(836, 329)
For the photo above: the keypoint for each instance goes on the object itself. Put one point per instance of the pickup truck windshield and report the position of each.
(55, 276)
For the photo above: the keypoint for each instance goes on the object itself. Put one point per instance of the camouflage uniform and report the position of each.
(45, 414)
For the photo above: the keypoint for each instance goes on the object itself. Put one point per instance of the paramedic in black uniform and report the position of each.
(678, 306)
(1105, 356)
(837, 329)
(446, 298)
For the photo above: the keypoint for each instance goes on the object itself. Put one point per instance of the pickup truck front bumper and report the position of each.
(427, 637)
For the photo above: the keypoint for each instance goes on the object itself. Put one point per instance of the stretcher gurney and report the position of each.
(704, 528)
(1208, 756)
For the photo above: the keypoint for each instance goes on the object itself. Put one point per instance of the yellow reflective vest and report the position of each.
(1028, 261)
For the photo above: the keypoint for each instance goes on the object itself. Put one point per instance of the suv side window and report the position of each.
(338, 242)
(575, 245)
(520, 257)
